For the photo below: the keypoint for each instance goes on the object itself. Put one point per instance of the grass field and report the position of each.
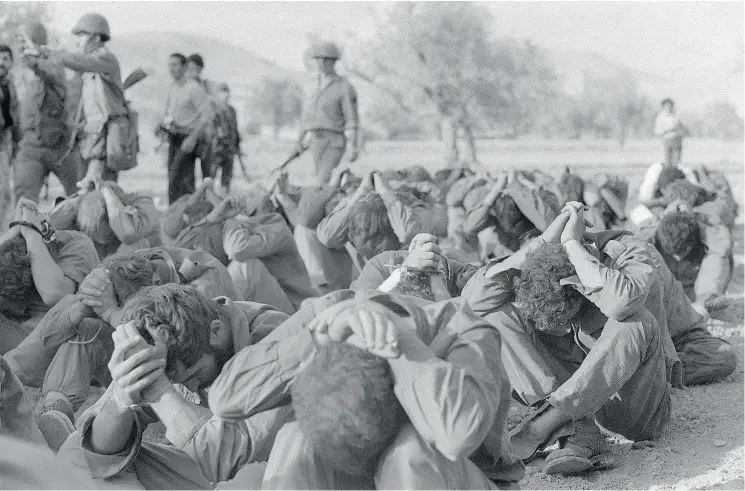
(702, 447)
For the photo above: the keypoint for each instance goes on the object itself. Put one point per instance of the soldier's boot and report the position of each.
(583, 451)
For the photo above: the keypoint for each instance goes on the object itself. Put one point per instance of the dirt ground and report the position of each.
(702, 447)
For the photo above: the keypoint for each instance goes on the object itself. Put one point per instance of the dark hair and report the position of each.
(415, 284)
(572, 187)
(182, 314)
(669, 174)
(180, 57)
(17, 283)
(667, 101)
(129, 273)
(678, 233)
(4, 48)
(513, 224)
(370, 229)
(682, 190)
(541, 296)
(196, 58)
(346, 408)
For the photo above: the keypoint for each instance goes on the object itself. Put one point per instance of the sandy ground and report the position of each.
(702, 447)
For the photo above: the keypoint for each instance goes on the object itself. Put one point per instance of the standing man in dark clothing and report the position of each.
(42, 92)
(329, 115)
(8, 134)
(227, 139)
(183, 104)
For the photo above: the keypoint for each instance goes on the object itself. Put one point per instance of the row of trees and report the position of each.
(438, 69)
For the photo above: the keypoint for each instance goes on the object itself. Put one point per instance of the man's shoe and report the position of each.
(716, 302)
(55, 421)
(584, 451)
(526, 443)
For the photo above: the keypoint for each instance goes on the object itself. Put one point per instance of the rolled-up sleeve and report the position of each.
(105, 466)
(620, 289)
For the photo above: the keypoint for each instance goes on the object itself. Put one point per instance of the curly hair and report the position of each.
(684, 191)
(129, 274)
(182, 313)
(678, 233)
(370, 229)
(667, 175)
(346, 408)
(415, 284)
(15, 270)
(540, 294)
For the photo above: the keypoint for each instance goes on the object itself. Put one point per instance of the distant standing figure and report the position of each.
(329, 113)
(670, 128)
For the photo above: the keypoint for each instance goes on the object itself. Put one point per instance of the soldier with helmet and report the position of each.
(102, 112)
(44, 134)
(329, 114)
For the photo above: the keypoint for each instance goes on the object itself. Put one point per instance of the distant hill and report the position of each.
(223, 61)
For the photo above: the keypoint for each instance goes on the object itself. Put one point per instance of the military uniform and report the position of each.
(329, 110)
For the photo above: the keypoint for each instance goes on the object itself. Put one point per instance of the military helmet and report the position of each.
(36, 32)
(93, 24)
(326, 49)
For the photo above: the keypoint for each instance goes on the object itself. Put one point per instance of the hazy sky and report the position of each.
(656, 37)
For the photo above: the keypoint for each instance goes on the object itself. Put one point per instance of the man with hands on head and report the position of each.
(585, 339)
(385, 271)
(445, 371)
(38, 266)
(116, 221)
(174, 335)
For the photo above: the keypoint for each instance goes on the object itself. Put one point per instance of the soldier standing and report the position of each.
(44, 132)
(102, 101)
(329, 115)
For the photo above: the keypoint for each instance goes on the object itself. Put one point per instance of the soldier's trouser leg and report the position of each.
(227, 173)
(32, 164)
(155, 467)
(705, 358)
(327, 267)
(16, 409)
(255, 283)
(327, 149)
(622, 381)
(180, 174)
(78, 361)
